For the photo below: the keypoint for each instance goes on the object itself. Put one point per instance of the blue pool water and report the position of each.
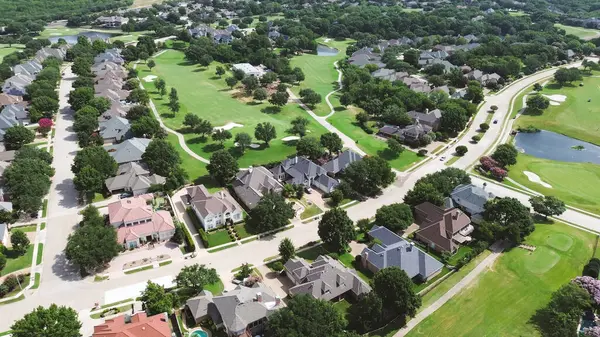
(199, 333)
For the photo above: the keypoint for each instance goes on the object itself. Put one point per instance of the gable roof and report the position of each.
(472, 198)
(128, 151)
(342, 161)
(440, 226)
(298, 169)
(428, 117)
(160, 221)
(117, 128)
(138, 325)
(252, 184)
(130, 209)
(133, 176)
(394, 251)
(207, 204)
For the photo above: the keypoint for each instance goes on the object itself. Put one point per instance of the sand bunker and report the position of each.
(290, 138)
(556, 98)
(253, 145)
(554, 103)
(229, 126)
(150, 78)
(536, 179)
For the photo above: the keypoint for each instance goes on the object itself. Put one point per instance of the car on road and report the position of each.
(442, 158)
(495, 121)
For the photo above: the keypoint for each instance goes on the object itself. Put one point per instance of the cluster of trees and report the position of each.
(144, 48)
(42, 91)
(536, 104)
(312, 147)
(567, 75)
(92, 166)
(505, 219)
(496, 165)
(27, 179)
(47, 322)
(547, 205)
(436, 186)
(25, 14)
(163, 159)
(271, 212)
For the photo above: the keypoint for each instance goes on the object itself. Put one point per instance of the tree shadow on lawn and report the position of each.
(254, 103)
(167, 115)
(197, 140)
(207, 181)
(212, 147)
(271, 109)
(538, 218)
(556, 86)
(388, 155)
(214, 78)
(185, 63)
(200, 70)
(339, 109)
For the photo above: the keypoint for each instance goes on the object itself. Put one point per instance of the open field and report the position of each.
(320, 72)
(577, 184)
(344, 120)
(576, 117)
(118, 34)
(503, 298)
(145, 3)
(204, 94)
(5, 49)
(580, 32)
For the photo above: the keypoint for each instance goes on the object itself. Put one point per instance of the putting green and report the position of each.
(560, 241)
(541, 260)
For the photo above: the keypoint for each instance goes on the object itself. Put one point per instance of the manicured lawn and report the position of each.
(5, 49)
(580, 32)
(25, 229)
(344, 120)
(139, 269)
(40, 254)
(222, 248)
(452, 160)
(98, 197)
(417, 287)
(43, 226)
(576, 117)
(218, 237)
(462, 251)
(215, 288)
(503, 298)
(194, 168)
(348, 261)
(343, 307)
(44, 208)
(14, 262)
(210, 98)
(36, 283)
(577, 184)
(320, 72)
(241, 230)
(312, 253)
(165, 263)
(117, 310)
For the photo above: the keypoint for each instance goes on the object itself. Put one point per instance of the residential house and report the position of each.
(201, 31)
(213, 210)
(343, 160)
(12, 115)
(137, 223)
(302, 171)
(116, 110)
(115, 130)
(410, 134)
(111, 21)
(471, 199)
(249, 70)
(484, 79)
(128, 151)
(17, 84)
(252, 184)
(110, 55)
(46, 52)
(134, 178)
(389, 74)
(138, 325)
(364, 56)
(6, 99)
(324, 279)
(393, 251)
(243, 311)
(447, 65)
(427, 57)
(431, 118)
(29, 68)
(442, 229)
(222, 37)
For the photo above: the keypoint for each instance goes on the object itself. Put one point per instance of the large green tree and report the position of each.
(271, 212)
(396, 291)
(332, 142)
(286, 249)
(505, 154)
(513, 218)
(559, 318)
(395, 217)
(194, 278)
(17, 136)
(336, 229)
(19, 241)
(156, 299)
(80, 97)
(48, 322)
(265, 132)
(161, 157)
(223, 167)
(97, 158)
(88, 180)
(309, 147)
(547, 205)
(369, 175)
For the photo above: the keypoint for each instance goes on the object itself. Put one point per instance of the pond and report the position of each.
(554, 146)
(323, 50)
(72, 39)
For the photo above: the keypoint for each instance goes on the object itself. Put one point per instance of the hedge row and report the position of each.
(196, 222)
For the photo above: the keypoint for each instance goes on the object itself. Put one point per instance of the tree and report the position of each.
(161, 157)
(336, 229)
(17, 136)
(271, 212)
(88, 180)
(2, 261)
(362, 118)
(411, 56)
(45, 104)
(146, 126)
(423, 192)
(250, 83)
(547, 205)
(299, 125)
(286, 250)
(332, 142)
(138, 96)
(560, 317)
(97, 158)
(394, 147)
(309, 147)
(367, 313)
(265, 132)
(369, 175)
(151, 64)
(513, 218)
(223, 167)
(567, 75)
(191, 120)
(453, 119)
(243, 140)
(137, 111)
(92, 246)
(220, 71)
(156, 299)
(260, 94)
(298, 74)
(307, 317)
(396, 291)
(536, 104)
(221, 135)
(474, 92)
(192, 279)
(395, 217)
(48, 322)
(44, 126)
(231, 82)
(279, 99)
(174, 104)
(538, 87)
(204, 128)
(461, 150)
(161, 86)
(268, 78)
(484, 127)
(19, 241)
(310, 97)
(505, 154)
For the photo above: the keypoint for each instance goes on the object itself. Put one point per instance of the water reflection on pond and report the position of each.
(323, 50)
(72, 39)
(554, 146)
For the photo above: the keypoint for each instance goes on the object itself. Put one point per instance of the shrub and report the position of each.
(484, 127)
(422, 153)
(358, 259)
(476, 138)
(277, 266)
(203, 237)
(190, 246)
(3, 290)
(10, 282)
(592, 268)
(494, 107)
(461, 150)
(334, 256)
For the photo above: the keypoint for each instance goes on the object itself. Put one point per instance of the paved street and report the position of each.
(62, 285)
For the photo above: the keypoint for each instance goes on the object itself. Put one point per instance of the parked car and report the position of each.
(125, 195)
(495, 121)
(442, 158)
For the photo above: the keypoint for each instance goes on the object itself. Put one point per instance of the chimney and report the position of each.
(365, 257)
(259, 297)
(277, 300)
(456, 214)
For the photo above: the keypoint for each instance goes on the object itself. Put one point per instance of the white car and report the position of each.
(442, 158)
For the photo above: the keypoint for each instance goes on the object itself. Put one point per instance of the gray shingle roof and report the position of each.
(342, 161)
(128, 151)
(252, 184)
(133, 176)
(471, 198)
(117, 128)
(394, 251)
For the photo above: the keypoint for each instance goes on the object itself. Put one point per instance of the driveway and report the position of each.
(277, 282)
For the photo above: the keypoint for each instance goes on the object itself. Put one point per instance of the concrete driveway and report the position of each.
(277, 282)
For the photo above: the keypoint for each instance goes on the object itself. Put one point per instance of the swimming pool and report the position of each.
(199, 333)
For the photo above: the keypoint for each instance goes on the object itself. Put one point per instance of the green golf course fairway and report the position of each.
(201, 92)
(576, 117)
(580, 32)
(502, 299)
(577, 184)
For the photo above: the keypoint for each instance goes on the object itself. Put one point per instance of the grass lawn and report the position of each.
(115, 311)
(211, 99)
(43, 226)
(462, 251)
(215, 288)
(36, 283)
(348, 261)
(503, 298)
(580, 32)
(241, 230)
(343, 307)
(312, 253)
(5, 49)
(570, 181)
(344, 120)
(195, 169)
(452, 160)
(576, 117)
(40, 254)
(320, 72)
(218, 237)
(139, 269)
(25, 229)
(14, 262)
(417, 287)
(44, 208)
